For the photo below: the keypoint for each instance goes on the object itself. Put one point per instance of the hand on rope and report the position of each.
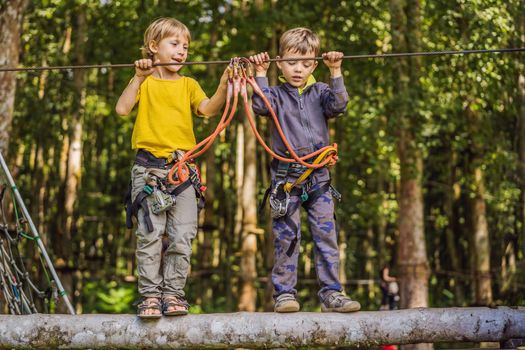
(241, 73)
(144, 67)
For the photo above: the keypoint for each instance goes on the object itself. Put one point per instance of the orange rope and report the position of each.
(331, 158)
(237, 84)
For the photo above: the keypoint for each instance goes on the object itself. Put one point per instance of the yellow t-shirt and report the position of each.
(164, 120)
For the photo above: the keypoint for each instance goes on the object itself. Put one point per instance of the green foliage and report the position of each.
(109, 297)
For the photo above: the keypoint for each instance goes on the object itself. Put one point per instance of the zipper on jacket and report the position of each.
(306, 123)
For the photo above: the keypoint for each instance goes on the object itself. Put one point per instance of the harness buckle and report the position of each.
(279, 201)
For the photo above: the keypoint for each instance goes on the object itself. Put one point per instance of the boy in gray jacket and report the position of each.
(303, 107)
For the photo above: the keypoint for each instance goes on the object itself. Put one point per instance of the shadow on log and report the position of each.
(263, 330)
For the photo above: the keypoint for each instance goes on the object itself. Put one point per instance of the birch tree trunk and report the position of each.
(265, 159)
(74, 153)
(480, 247)
(248, 292)
(259, 330)
(11, 15)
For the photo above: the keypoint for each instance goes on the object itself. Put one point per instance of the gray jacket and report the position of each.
(303, 118)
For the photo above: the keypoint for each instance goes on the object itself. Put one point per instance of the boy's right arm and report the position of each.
(261, 64)
(127, 100)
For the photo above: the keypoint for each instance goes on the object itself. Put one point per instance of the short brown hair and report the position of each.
(299, 40)
(160, 29)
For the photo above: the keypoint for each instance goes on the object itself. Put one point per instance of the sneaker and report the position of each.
(286, 303)
(338, 302)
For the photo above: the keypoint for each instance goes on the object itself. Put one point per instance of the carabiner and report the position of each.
(279, 201)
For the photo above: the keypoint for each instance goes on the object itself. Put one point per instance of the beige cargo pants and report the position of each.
(180, 225)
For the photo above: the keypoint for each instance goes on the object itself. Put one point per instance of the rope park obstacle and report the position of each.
(20, 291)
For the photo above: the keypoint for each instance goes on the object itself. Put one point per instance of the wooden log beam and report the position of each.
(262, 330)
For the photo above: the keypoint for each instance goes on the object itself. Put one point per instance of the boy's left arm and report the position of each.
(211, 106)
(335, 98)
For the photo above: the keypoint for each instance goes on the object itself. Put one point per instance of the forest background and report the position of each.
(432, 150)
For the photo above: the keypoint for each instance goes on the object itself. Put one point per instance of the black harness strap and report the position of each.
(195, 180)
(281, 174)
(139, 202)
(314, 195)
(180, 188)
(128, 205)
(265, 198)
(147, 160)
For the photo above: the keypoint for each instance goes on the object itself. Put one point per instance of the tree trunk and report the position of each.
(248, 292)
(262, 330)
(74, 158)
(265, 158)
(11, 14)
(239, 180)
(412, 256)
(480, 247)
(451, 196)
(209, 225)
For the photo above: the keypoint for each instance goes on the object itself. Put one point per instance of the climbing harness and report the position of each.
(163, 194)
(279, 195)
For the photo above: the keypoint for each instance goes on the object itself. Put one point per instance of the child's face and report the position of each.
(171, 49)
(297, 72)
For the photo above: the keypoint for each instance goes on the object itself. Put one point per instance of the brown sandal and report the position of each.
(149, 304)
(173, 305)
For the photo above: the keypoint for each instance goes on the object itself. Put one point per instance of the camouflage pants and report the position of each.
(158, 273)
(326, 254)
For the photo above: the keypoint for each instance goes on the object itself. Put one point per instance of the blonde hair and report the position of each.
(161, 28)
(299, 40)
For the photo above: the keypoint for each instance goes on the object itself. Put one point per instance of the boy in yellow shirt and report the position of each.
(163, 131)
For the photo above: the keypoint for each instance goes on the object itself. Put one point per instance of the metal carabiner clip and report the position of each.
(279, 201)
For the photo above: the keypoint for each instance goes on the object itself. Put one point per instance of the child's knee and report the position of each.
(181, 247)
